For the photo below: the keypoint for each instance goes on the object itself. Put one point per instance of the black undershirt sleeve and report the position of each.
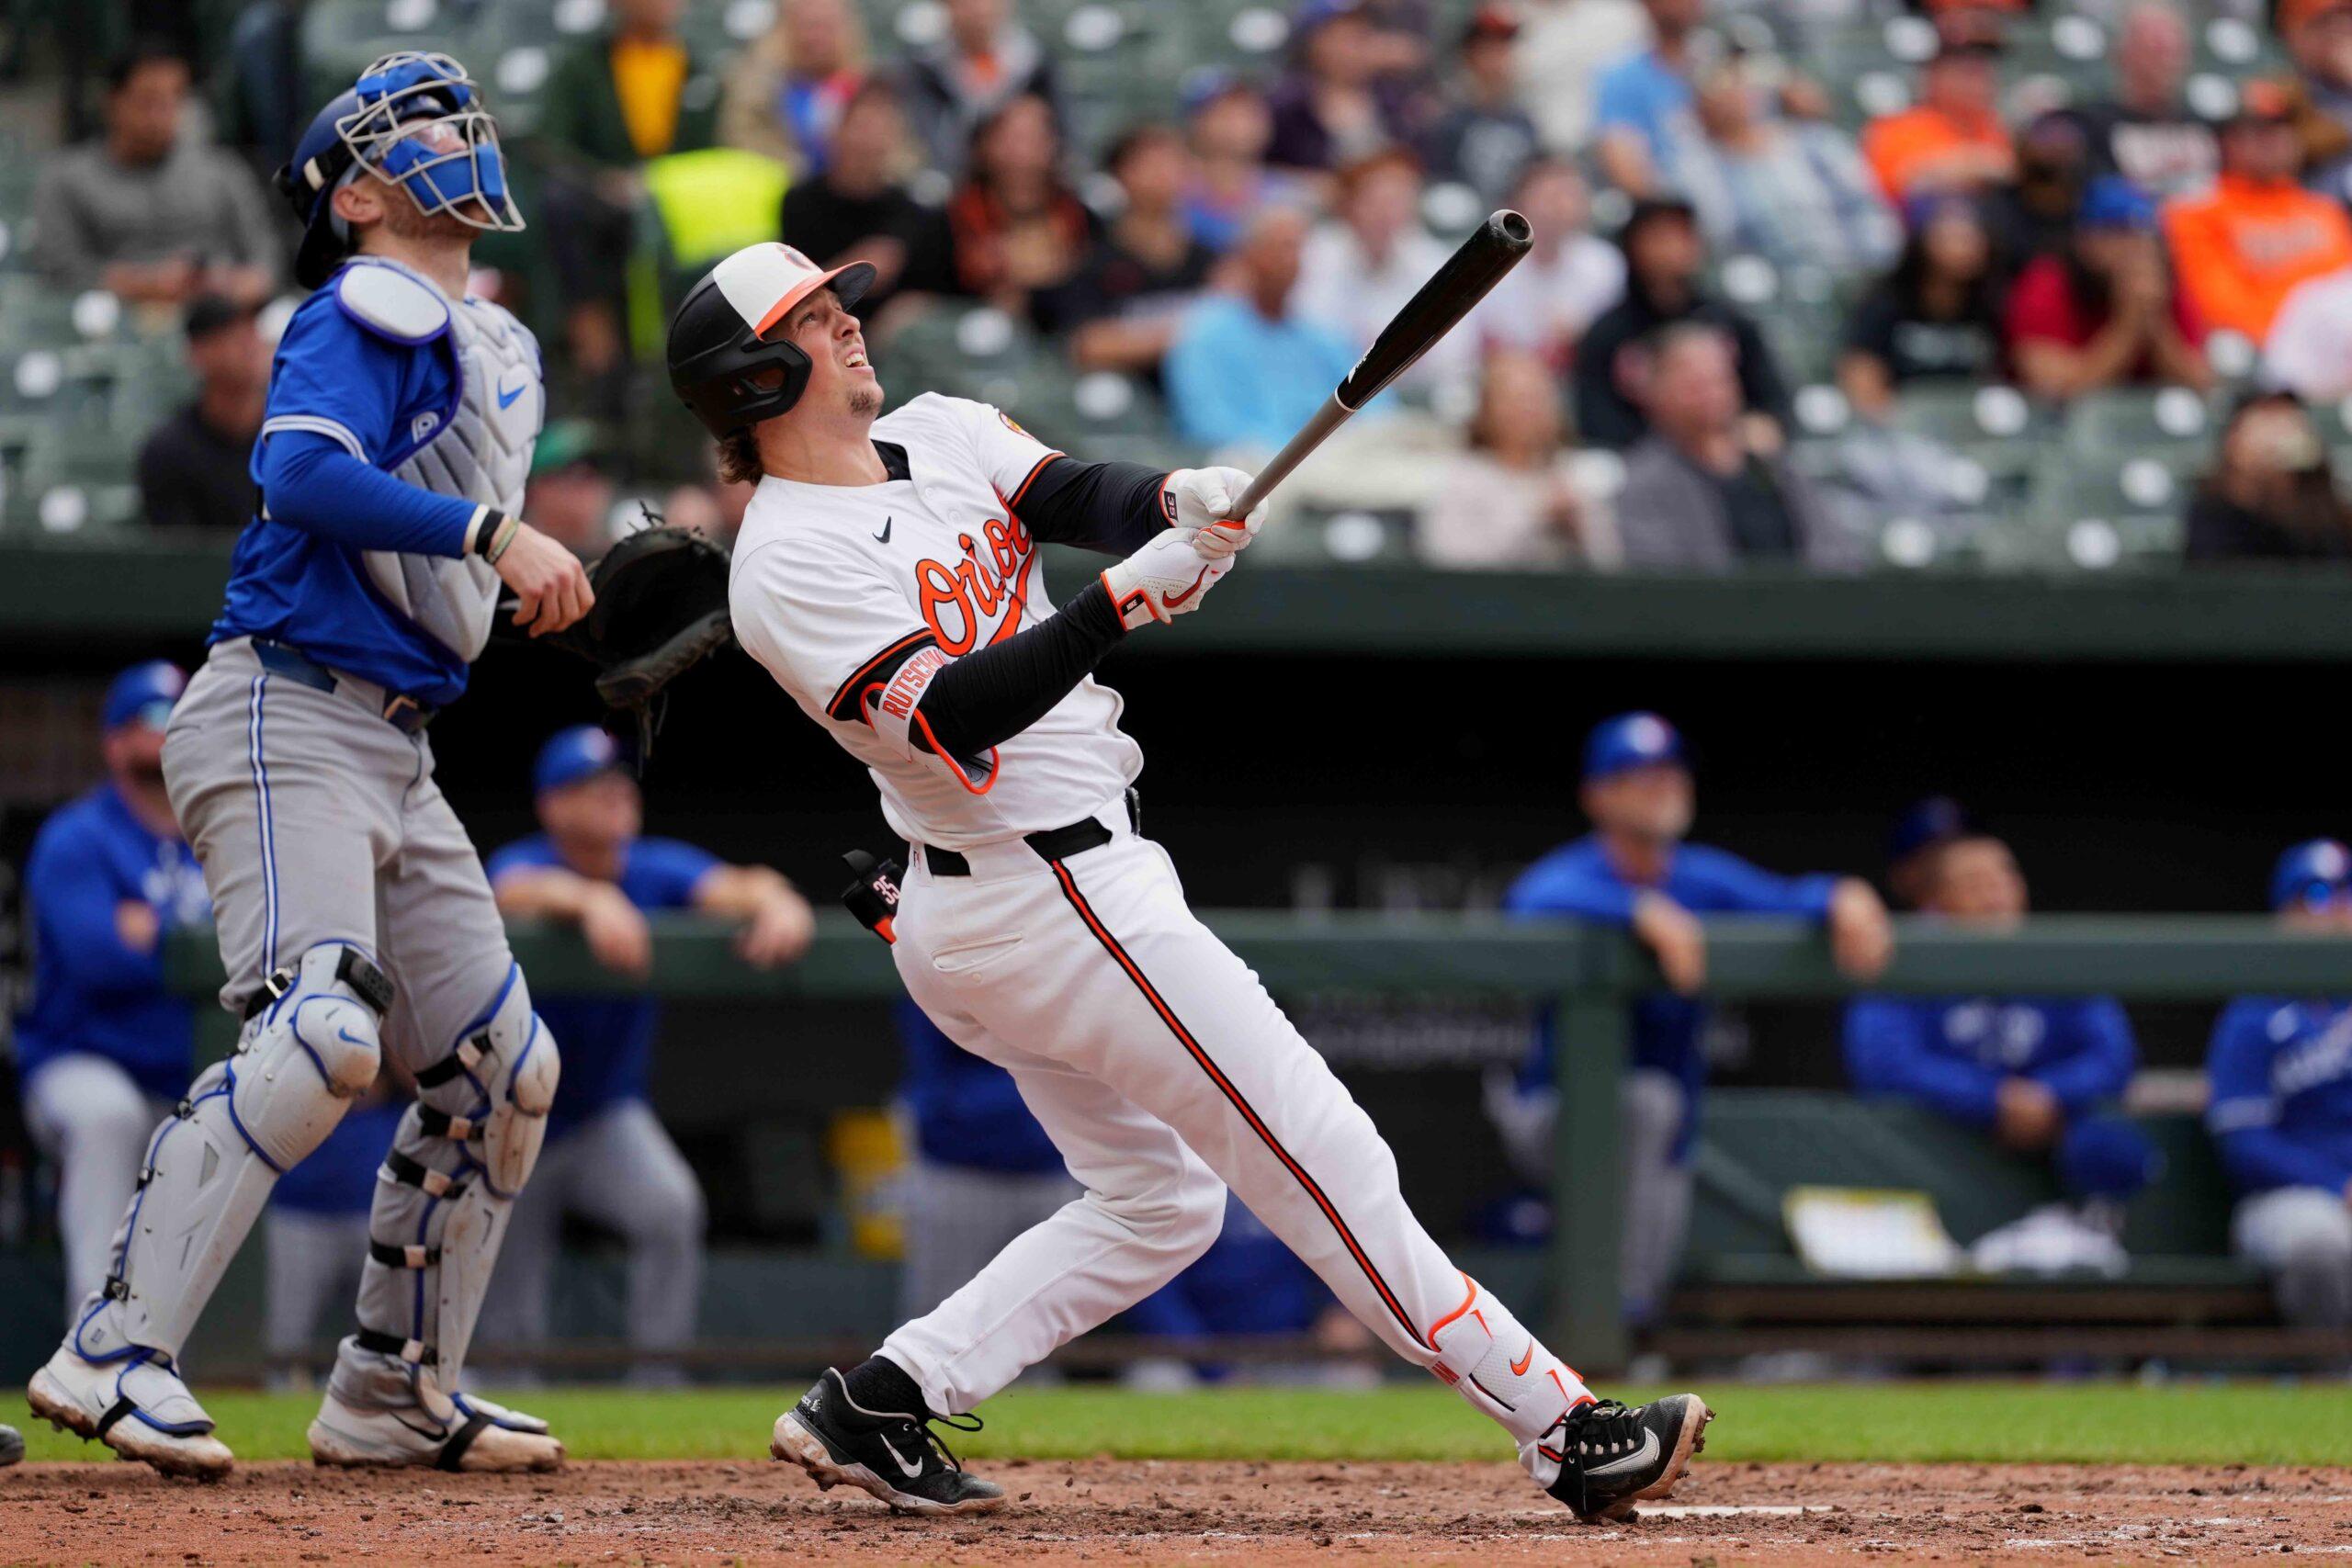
(1111, 507)
(993, 694)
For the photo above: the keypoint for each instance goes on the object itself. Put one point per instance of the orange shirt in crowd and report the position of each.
(2242, 246)
(1903, 147)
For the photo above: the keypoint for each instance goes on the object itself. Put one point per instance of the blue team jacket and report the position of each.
(1578, 879)
(90, 992)
(966, 1112)
(1951, 1053)
(2280, 1104)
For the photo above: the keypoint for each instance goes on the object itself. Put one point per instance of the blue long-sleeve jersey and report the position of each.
(1578, 879)
(967, 1112)
(2280, 1104)
(348, 404)
(91, 991)
(1951, 1053)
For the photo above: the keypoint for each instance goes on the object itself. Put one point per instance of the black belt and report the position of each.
(1054, 843)
(401, 711)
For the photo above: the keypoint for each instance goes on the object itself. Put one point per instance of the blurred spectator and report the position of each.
(2310, 349)
(2107, 313)
(1953, 138)
(2041, 1075)
(1509, 499)
(985, 61)
(1485, 138)
(616, 98)
(1922, 829)
(2033, 215)
(1336, 105)
(1794, 192)
(194, 468)
(2281, 1107)
(1360, 267)
(1246, 369)
(982, 1169)
(1247, 1285)
(1122, 308)
(1227, 125)
(1641, 104)
(2272, 492)
(1663, 259)
(1568, 276)
(1937, 317)
(264, 102)
(858, 208)
(317, 1228)
(2318, 34)
(608, 1158)
(1564, 50)
(2146, 132)
(1700, 496)
(102, 1047)
(148, 211)
(1014, 227)
(1635, 871)
(2257, 233)
(570, 496)
(711, 507)
(789, 87)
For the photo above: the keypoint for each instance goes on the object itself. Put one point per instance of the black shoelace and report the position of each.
(1600, 1430)
(922, 1431)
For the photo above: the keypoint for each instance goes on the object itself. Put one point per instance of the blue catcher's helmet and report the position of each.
(413, 120)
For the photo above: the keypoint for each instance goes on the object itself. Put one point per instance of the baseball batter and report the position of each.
(887, 577)
(353, 913)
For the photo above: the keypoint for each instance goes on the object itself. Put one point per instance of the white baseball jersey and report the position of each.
(854, 597)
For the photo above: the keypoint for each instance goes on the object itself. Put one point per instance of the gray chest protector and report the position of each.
(481, 452)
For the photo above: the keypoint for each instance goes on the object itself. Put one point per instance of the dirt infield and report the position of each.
(1104, 1511)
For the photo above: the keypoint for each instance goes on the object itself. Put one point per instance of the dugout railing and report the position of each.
(1592, 977)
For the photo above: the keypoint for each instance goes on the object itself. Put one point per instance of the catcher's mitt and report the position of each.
(661, 609)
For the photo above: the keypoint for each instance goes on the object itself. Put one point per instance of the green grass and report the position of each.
(1978, 1422)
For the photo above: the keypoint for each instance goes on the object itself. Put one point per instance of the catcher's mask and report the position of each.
(414, 120)
(721, 363)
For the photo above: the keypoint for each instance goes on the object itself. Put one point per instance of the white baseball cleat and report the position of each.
(137, 1406)
(476, 1440)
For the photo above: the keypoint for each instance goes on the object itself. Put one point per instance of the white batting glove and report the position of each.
(1201, 501)
(1166, 577)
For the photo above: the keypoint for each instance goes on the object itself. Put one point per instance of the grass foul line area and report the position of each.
(2088, 1423)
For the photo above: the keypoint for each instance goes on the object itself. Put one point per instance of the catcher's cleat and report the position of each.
(474, 1438)
(1611, 1458)
(896, 1456)
(136, 1406)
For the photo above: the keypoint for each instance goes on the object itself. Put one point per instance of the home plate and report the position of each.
(1731, 1511)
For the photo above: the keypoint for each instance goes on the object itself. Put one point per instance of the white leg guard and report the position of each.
(442, 1202)
(246, 1122)
(1506, 1374)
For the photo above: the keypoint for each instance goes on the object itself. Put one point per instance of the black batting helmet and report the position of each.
(720, 364)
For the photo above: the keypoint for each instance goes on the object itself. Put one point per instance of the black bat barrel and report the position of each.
(1490, 252)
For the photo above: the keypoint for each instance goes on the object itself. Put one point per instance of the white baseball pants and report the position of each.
(1163, 1072)
(89, 1115)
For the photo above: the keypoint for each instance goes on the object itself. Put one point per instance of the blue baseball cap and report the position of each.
(570, 755)
(143, 694)
(1923, 824)
(1630, 740)
(2316, 869)
(2114, 202)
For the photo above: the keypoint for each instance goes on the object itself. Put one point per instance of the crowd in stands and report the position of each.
(1225, 257)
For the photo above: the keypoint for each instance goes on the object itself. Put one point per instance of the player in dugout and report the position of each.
(608, 1158)
(103, 1050)
(2281, 1107)
(1636, 870)
(2038, 1073)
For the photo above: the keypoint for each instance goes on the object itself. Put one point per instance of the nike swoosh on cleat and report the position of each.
(1519, 1368)
(1645, 1454)
(1172, 600)
(915, 1471)
(884, 537)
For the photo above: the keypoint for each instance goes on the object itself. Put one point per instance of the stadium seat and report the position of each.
(2172, 423)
